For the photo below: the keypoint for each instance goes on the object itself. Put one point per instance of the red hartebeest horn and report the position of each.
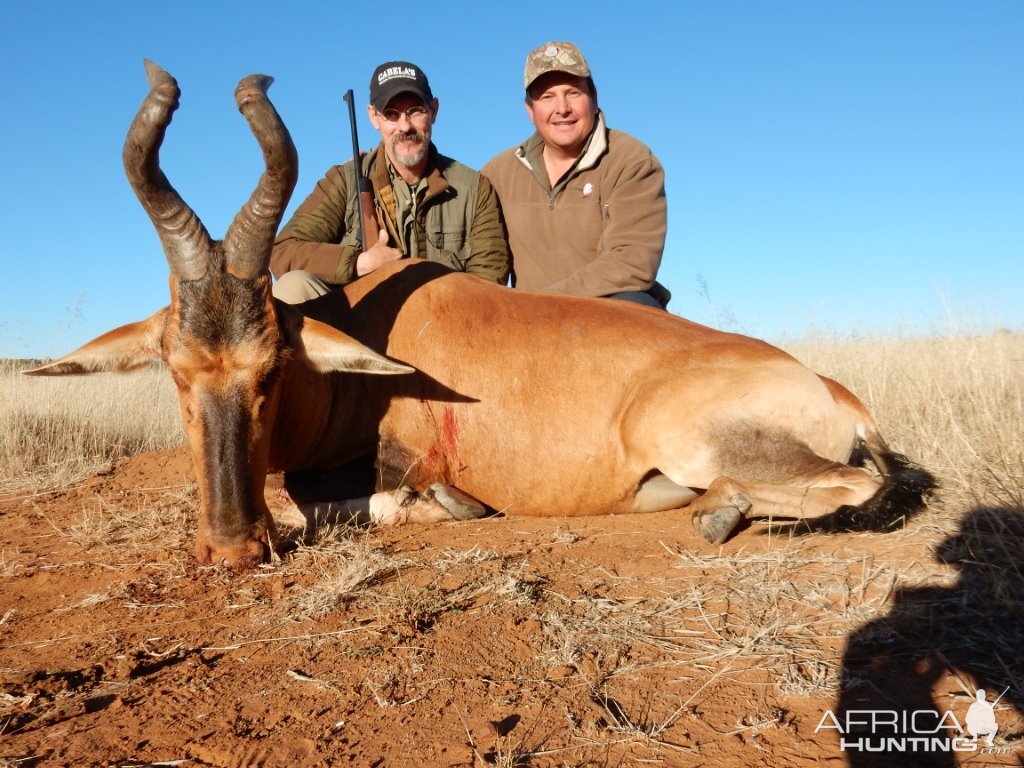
(249, 238)
(185, 241)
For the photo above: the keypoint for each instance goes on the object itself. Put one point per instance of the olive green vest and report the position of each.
(444, 217)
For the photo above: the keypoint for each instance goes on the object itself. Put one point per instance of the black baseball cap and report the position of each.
(395, 77)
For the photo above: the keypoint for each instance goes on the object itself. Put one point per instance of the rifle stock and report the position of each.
(367, 218)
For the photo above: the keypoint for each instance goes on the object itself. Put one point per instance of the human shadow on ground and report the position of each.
(973, 629)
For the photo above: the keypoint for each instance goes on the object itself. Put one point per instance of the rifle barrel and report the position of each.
(364, 195)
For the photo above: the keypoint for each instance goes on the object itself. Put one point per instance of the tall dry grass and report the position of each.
(55, 430)
(953, 404)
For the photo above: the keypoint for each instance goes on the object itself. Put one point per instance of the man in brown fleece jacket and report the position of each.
(427, 205)
(584, 205)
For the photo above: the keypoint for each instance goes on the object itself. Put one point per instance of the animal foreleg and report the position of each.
(439, 503)
(459, 505)
(386, 508)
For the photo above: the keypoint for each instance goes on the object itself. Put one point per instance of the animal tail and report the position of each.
(903, 493)
(905, 485)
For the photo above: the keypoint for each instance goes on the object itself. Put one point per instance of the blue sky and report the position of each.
(848, 167)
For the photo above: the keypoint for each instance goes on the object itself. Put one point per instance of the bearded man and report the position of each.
(426, 205)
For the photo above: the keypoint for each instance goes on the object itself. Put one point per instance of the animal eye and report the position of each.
(266, 386)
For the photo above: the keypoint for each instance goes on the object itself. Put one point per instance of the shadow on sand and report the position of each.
(973, 629)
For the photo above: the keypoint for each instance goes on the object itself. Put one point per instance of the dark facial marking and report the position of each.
(221, 310)
(226, 431)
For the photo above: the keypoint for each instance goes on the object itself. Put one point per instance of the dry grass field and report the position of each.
(615, 641)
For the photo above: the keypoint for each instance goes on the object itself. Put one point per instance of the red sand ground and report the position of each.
(616, 641)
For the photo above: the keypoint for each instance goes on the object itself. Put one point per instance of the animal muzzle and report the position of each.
(235, 526)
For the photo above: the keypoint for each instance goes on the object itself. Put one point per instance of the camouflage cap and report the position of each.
(554, 57)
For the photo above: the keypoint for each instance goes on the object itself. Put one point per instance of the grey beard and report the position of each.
(418, 155)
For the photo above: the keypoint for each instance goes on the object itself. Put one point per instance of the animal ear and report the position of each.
(328, 349)
(123, 349)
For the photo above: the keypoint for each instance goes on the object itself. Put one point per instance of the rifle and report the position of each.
(367, 225)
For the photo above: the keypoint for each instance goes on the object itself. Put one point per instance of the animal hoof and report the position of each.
(459, 505)
(716, 526)
(741, 503)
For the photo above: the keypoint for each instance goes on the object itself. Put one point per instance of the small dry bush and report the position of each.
(55, 430)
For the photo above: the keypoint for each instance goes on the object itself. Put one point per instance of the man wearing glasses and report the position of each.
(584, 204)
(427, 205)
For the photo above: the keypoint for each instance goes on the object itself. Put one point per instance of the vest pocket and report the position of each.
(449, 248)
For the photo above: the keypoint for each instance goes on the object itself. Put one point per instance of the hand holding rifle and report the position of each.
(373, 240)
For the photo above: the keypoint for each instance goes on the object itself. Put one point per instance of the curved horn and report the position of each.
(249, 239)
(185, 240)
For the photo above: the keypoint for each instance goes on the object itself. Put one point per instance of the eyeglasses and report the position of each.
(415, 114)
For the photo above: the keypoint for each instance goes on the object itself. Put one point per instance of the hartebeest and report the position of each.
(533, 404)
